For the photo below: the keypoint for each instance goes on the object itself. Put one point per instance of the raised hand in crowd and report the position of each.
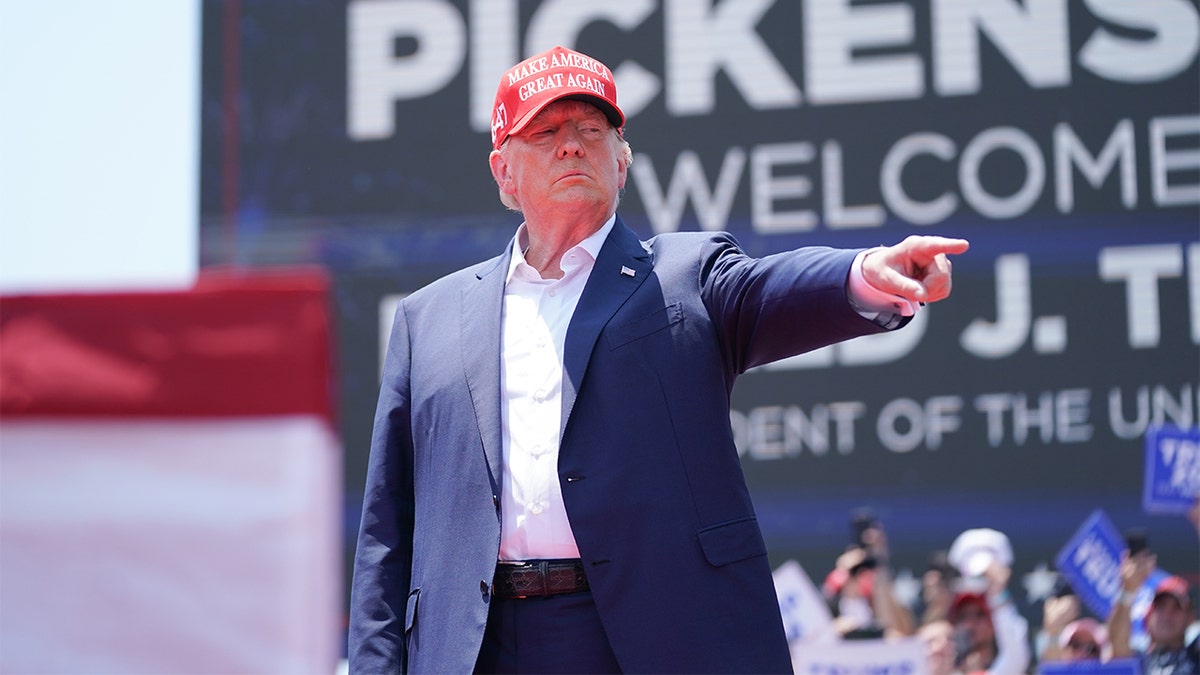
(1135, 570)
(892, 616)
(1057, 612)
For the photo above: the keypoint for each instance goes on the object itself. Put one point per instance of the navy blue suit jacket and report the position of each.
(650, 475)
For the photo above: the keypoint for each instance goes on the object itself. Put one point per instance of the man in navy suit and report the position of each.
(553, 484)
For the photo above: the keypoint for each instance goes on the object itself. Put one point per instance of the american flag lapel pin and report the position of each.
(627, 272)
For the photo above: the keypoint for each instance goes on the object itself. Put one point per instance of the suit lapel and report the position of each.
(482, 303)
(621, 267)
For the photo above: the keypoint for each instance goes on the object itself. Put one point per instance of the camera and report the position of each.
(861, 520)
(1135, 540)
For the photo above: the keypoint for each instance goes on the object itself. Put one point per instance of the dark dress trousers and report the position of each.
(650, 475)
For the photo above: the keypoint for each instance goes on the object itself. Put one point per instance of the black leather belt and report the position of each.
(539, 578)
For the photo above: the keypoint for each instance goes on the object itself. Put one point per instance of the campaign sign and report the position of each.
(1112, 667)
(1139, 640)
(905, 656)
(1091, 562)
(806, 617)
(1172, 477)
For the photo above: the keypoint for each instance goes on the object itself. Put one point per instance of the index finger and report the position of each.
(928, 246)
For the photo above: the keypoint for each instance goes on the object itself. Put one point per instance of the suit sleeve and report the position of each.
(770, 308)
(383, 559)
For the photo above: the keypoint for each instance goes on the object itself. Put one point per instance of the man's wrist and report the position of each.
(1125, 599)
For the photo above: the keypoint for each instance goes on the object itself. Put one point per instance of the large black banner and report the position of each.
(1061, 137)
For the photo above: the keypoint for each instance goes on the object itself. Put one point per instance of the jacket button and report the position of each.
(483, 588)
(496, 501)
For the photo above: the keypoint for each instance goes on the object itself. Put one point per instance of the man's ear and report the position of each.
(624, 159)
(501, 173)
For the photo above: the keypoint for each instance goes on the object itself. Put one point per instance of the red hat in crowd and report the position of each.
(963, 599)
(555, 74)
(1174, 587)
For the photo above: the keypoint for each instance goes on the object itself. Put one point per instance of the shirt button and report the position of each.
(536, 508)
(552, 293)
(539, 395)
(537, 450)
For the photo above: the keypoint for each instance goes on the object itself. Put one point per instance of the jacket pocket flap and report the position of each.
(732, 541)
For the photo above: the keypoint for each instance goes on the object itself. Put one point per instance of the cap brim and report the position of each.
(1183, 599)
(612, 113)
(615, 116)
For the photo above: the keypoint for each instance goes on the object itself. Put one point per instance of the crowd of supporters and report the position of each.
(969, 624)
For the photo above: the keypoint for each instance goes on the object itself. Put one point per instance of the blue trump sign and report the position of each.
(1112, 667)
(1172, 476)
(1091, 563)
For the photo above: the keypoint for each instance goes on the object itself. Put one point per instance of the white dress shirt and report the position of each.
(536, 313)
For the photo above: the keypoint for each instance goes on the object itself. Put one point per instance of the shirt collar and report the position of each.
(591, 245)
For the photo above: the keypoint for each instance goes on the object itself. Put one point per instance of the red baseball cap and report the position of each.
(555, 74)
(1175, 587)
(962, 599)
